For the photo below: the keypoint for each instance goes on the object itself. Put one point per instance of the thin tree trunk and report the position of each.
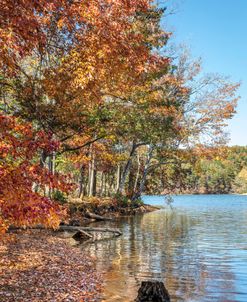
(50, 167)
(138, 172)
(126, 169)
(118, 177)
(105, 185)
(101, 184)
(94, 182)
(91, 177)
(89, 187)
(131, 181)
(145, 172)
(85, 186)
(51, 164)
(111, 184)
(43, 158)
(81, 182)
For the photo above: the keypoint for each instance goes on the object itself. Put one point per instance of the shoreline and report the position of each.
(41, 265)
(83, 212)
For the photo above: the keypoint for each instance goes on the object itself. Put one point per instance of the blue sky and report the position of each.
(216, 31)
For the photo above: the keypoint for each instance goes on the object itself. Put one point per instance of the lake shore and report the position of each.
(41, 265)
(38, 265)
(82, 212)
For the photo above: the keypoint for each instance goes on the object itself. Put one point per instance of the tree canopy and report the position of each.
(89, 96)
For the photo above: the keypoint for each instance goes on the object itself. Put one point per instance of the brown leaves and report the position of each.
(41, 267)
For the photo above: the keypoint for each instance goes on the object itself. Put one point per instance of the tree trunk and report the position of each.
(152, 291)
(105, 184)
(43, 158)
(131, 181)
(82, 235)
(81, 182)
(118, 177)
(85, 186)
(51, 167)
(127, 168)
(91, 177)
(145, 173)
(101, 184)
(94, 182)
(117, 232)
(111, 184)
(96, 217)
(138, 172)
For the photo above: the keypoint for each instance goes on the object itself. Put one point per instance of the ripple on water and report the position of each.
(199, 249)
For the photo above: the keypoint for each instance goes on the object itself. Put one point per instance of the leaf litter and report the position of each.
(39, 266)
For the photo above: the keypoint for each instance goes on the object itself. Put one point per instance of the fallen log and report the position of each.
(69, 228)
(96, 217)
(81, 236)
(152, 291)
(116, 232)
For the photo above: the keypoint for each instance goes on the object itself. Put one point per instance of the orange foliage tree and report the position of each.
(87, 52)
(93, 75)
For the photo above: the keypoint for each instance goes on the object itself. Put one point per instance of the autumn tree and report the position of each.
(93, 75)
(23, 180)
(22, 29)
(90, 51)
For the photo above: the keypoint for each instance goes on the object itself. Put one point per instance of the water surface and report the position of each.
(198, 249)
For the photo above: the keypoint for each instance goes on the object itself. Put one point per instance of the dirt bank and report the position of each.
(79, 209)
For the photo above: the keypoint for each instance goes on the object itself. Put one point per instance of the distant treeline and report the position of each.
(212, 171)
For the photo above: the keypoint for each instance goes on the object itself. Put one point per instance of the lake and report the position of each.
(198, 248)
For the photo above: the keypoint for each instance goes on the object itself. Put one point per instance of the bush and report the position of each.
(137, 203)
(59, 197)
(122, 201)
(125, 201)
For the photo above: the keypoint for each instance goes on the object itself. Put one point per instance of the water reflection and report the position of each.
(200, 252)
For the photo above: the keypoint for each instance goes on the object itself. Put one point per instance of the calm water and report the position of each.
(198, 248)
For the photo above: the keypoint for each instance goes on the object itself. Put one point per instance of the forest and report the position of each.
(95, 104)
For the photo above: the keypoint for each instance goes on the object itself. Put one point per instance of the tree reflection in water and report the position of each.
(187, 250)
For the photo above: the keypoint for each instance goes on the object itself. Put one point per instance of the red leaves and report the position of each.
(20, 173)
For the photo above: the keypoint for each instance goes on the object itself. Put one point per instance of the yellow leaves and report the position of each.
(111, 137)
(52, 221)
(84, 75)
(243, 174)
(100, 54)
(60, 23)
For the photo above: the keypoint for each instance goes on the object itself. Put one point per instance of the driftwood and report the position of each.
(96, 217)
(152, 291)
(116, 232)
(81, 236)
(69, 228)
